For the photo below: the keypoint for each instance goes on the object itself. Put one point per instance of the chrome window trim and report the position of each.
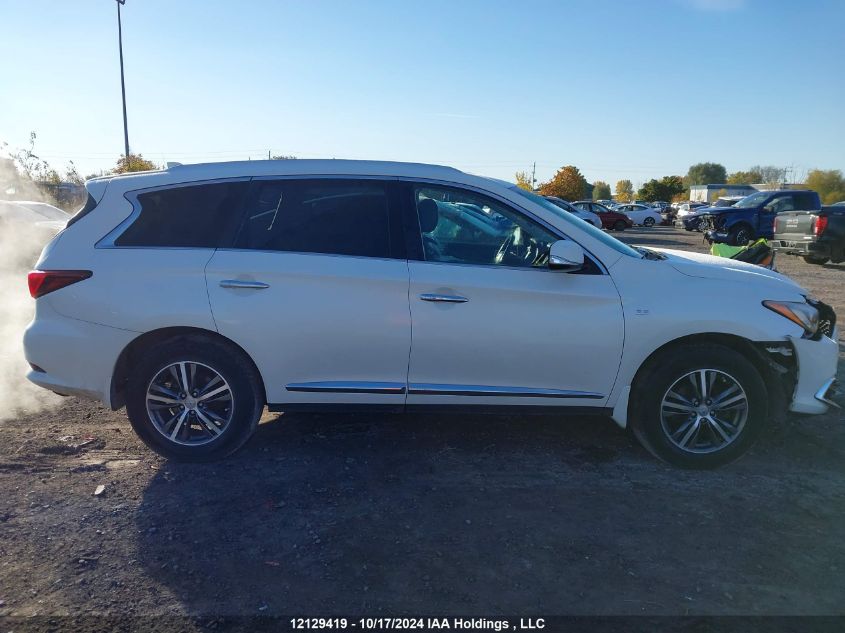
(331, 386)
(434, 389)
(511, 205)
(108, 240)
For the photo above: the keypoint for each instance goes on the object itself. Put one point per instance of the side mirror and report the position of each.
(566, 256)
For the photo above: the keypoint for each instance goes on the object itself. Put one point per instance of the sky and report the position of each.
(621, 89)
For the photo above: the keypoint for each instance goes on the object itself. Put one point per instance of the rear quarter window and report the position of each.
(190, 216)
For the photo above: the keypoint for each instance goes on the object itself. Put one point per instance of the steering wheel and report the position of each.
(511, 249)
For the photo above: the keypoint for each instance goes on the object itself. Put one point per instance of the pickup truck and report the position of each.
(754, 216)
(817, 236)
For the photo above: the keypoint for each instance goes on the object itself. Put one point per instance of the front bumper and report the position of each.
(817, 363)
(721, 237)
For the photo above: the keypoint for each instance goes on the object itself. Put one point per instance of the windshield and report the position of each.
(754, 200)
(598, 234)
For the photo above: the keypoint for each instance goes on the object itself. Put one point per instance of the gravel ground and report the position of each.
(425, 514)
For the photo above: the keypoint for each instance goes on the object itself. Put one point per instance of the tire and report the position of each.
(619, 225)
(235, 398)
(648, 222)
(815, 260)
(741, 235)
(657, 416)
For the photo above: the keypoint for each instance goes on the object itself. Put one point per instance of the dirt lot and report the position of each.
(391, 515)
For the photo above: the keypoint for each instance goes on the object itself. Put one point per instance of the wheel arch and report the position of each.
(136, 346)
(772, 365)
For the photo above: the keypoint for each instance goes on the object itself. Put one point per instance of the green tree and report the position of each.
(134, 162)
(664, 189)
(523, 180)
(828, 183)
(567, 184)
(624, 191)
(601, 190)
(750, 177)
(706, 174)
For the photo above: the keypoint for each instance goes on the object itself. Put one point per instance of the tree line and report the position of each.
(569, 184)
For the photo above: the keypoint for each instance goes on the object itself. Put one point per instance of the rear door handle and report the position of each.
(443, 298)
(241, 283)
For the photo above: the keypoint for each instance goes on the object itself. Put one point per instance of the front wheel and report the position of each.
(619, 225)
(194, 398)
(741, 235)
(700, 406)
(648, 222)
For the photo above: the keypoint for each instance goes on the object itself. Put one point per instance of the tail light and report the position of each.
(819, 225)
(42, 282)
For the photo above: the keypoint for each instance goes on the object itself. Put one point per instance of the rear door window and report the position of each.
(191, 216)
(336, 217)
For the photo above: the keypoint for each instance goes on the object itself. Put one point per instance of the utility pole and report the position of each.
(122, 81)
(533, 171)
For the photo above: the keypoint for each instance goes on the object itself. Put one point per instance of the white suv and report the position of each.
(199, 294)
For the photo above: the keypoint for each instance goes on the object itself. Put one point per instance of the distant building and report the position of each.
(709, 193)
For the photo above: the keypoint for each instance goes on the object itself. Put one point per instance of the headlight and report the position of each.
(801, 314)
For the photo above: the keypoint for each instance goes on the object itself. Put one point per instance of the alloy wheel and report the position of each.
(704, 411)
(190, 403)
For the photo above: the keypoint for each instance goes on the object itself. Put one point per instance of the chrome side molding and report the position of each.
(429, 389)
(331, 386)
(432, 389)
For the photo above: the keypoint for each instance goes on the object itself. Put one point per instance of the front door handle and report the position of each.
(443, 298)
(242, 283)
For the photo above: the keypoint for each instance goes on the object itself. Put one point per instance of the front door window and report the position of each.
(462, 227)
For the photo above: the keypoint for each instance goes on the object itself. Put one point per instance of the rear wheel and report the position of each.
(648, 222)
(619, 225)
(194, 399)
(700, 407)
(810, 259)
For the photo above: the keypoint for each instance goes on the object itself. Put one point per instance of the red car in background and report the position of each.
(610, 220)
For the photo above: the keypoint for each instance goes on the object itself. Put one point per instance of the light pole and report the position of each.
(122, 82)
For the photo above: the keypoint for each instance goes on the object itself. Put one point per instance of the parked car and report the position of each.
(37, 214)
(610, 220)
(727, 201)
(817, 236)
(584, 214)
(197, 295)
(684, 209)
(32, 225)
(754, 216)
(641, 214)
